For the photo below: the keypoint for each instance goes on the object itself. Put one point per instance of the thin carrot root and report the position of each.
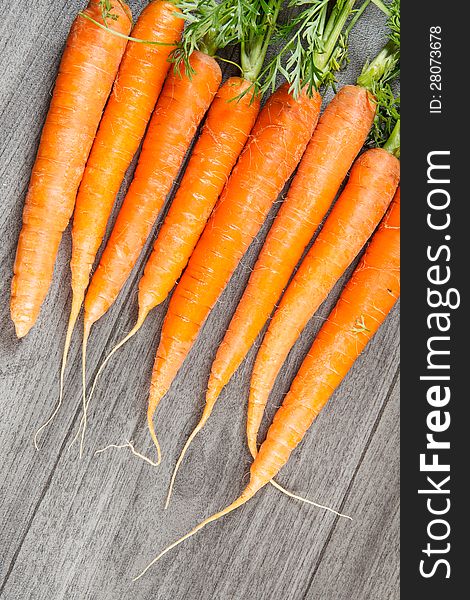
(131, 334)
(83, 423)
(238, 502)
(254, 451)
(129, 444)
(75, 311)
(247, 494)
(196, 430)
(86, 400)
(154, 436)
(295, 497)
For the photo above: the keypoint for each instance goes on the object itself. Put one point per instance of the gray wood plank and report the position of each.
(82, 529)
(361, 560)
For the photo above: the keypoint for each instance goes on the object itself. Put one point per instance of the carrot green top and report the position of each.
(311, 45)
(213, 25)
(376, 77)
(393, 142)
(386, 65)
(314, 44)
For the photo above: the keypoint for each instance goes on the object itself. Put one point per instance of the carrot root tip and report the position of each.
(23, 327)
(133, 331)
(196, 430)
(238, 502)
(211, 399)
(154, 437)
(306, 501)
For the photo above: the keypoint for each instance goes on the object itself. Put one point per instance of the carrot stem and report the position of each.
(253, 49)
(333, 29)
(380, 68)
(393, 143)
(385, 66)
(356, 17)
(383, 7)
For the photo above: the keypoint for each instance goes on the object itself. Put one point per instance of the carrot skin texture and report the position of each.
(89, 65)
(138, 84)
(372, 184)
(338, 138)
(225, 132)
(367, 299)
(278, 140)
(179, 111)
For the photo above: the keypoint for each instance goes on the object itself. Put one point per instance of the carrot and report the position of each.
(135, 93)
(180, 108)
(361, 309)
(86, 74)
(371, 186)
(137, 86)
(225, 133)
(340, 134)
(229, 122)
(277, 143)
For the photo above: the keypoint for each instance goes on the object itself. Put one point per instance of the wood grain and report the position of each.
(72, 529)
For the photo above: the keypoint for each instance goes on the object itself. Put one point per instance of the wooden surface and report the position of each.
(77, 530)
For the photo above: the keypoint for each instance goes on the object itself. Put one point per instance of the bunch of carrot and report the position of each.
(241, 160)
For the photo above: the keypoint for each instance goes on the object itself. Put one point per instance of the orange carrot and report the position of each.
(86, 74)
(278, 141)
(340, 134)
(137, 86)
(135, 93)
(370, 189)
(338, 138)
(229, 121)
(180, 109)
(363, 306)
